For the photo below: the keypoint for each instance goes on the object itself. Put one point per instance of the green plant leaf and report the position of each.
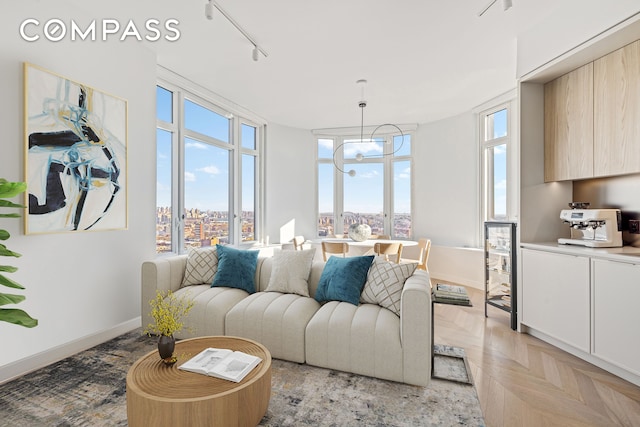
(8, 204)
(4, 235)
(11, 189)
(11, 299)
(6, 252)
(17, 317)
(8, 268)
(10, 215)
(9, 283)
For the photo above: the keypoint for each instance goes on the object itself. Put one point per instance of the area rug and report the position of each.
(88, 389)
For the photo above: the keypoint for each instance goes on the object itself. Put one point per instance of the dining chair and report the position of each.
(380, 236)
(387, 249)
(425, 246)
(298, 241)
(334, 248)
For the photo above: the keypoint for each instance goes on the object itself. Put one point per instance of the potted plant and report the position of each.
(11, 315)
(168, 311)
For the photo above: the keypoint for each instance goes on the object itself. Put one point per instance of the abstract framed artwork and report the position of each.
(75, 155)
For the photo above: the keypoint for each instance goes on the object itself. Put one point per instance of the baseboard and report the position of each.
(55, 354)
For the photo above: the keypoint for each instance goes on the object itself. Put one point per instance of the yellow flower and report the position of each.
(168, 311)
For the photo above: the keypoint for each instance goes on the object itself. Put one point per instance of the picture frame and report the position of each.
(75, 155)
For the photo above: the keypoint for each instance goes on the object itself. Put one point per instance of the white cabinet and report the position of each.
(616, 313)
(555, 296)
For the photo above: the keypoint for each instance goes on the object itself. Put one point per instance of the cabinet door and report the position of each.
(555, 296)
(568, 126)
(617, 112)
(616, 314)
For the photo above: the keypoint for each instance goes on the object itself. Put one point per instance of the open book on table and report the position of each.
(222, 363)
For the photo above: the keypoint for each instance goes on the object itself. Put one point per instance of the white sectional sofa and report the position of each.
(366, 339)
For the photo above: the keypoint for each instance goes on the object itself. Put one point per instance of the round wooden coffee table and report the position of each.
(163, 395)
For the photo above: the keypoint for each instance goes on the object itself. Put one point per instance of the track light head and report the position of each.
(208, 10)
(255, 53)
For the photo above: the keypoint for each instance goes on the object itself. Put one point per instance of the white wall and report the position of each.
(82, 287)
(446, 181)
(290, 183)
(556, 36)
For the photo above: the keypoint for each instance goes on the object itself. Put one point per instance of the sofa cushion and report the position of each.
(236, 268)
(364, 340)
(276, 320)
(202, 264)
(343, 278)
(207, 317)
(384, 283)
(290, 272)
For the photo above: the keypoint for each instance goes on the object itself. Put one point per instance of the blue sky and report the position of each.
(363, 192)
(207, 166)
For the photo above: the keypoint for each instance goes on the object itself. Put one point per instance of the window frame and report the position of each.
(182, 91)
(388, 161)
(486, 194)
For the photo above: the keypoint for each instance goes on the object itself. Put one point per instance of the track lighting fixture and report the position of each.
(506, 5)
(208, 12)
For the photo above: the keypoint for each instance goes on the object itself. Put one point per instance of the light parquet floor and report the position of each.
(523, 381)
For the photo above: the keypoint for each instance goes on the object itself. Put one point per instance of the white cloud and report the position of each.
(211, 170)
(500, 149)
(366, 148)
(369, 174)
(501, 185)
(189, 177)
(404, 174)
(197, 145)
(326, 143)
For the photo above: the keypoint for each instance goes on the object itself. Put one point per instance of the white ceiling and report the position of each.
(424, 59)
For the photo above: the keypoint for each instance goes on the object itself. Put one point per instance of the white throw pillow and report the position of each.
(202, 265)
(290, 272)
(385, 282)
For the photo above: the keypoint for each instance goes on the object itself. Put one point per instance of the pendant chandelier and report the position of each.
(359, 157)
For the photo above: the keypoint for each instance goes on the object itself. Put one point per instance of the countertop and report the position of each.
(624, 254)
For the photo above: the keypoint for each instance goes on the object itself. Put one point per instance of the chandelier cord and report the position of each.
(360, 156)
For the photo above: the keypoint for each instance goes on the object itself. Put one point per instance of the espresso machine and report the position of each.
(594, 228)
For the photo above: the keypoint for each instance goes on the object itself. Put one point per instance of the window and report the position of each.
(208, 164)
(494, 142)
(378, 193)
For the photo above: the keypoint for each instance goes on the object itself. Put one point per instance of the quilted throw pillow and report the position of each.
(202, 264)
(385, 282)
(290, 273)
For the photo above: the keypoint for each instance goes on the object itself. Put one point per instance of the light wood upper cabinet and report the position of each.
(617, 112)
(568, 126)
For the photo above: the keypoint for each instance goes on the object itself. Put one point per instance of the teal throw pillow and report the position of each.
(236, 268)
(343, 278)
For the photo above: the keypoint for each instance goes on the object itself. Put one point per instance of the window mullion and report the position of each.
(178, 243)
